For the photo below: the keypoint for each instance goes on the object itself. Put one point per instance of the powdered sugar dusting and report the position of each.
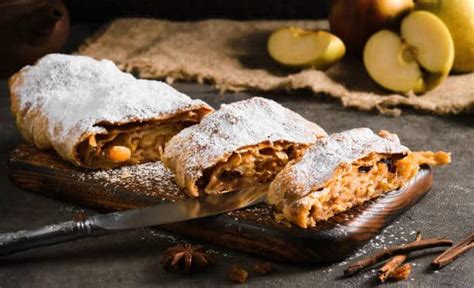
(234, 126)
(152, 179)
(318, 163)
(262, 214)
(74, 94)
(394, 234)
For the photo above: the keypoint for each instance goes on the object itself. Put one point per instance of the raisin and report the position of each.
(267, 151)
(228, 176)
(364, 169)
(390, 165)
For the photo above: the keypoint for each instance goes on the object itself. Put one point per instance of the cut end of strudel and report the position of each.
(96, 116)
(345, 170)
(243, 144)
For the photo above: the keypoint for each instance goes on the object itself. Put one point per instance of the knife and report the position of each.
(171, 212)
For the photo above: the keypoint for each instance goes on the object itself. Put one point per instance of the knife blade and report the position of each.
(170, 212)
(189, 208)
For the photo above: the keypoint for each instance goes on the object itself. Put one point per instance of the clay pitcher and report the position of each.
(30, 29)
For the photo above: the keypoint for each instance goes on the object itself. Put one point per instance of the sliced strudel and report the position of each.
(240, 145)
(96, 116)
(344, 170)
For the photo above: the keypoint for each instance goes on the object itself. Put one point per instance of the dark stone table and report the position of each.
(132, 258)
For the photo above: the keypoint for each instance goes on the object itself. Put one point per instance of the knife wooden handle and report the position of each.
(13, 242)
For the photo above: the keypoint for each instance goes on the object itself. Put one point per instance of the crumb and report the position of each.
(238, 274)
(152, 178)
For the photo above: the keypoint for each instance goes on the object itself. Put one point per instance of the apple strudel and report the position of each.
(344, 170)
(96, 116)
(242, 144)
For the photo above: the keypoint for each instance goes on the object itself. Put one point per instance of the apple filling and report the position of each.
(132, 143)
(249, 166)
(355, 183)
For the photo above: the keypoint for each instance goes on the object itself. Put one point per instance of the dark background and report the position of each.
(132, 259)
(87, 11)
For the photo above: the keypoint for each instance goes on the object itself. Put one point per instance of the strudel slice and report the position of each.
(243, 144)
(96, 116)
(344, 170)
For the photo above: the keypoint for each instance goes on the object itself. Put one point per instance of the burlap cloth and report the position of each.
(232, 55)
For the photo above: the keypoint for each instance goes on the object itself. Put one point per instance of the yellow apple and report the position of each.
(298, 48)
(354, 21)
(418, 60)
(458, 15)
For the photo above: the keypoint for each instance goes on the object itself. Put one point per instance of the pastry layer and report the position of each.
(242, 144)
(377, 165)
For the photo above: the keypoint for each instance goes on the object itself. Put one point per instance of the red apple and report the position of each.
(354, 21)
(30, 29)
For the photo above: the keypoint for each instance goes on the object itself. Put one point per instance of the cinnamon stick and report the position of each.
(392, 266)
(454, 252)
(396, 250)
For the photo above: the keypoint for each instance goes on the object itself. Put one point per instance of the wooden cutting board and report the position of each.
(250, 230)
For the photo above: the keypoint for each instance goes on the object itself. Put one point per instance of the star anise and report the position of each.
(186, 258)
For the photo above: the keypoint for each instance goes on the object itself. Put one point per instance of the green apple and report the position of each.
(354, 21)
(458, 15)
(299, 48)
(418, 60)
